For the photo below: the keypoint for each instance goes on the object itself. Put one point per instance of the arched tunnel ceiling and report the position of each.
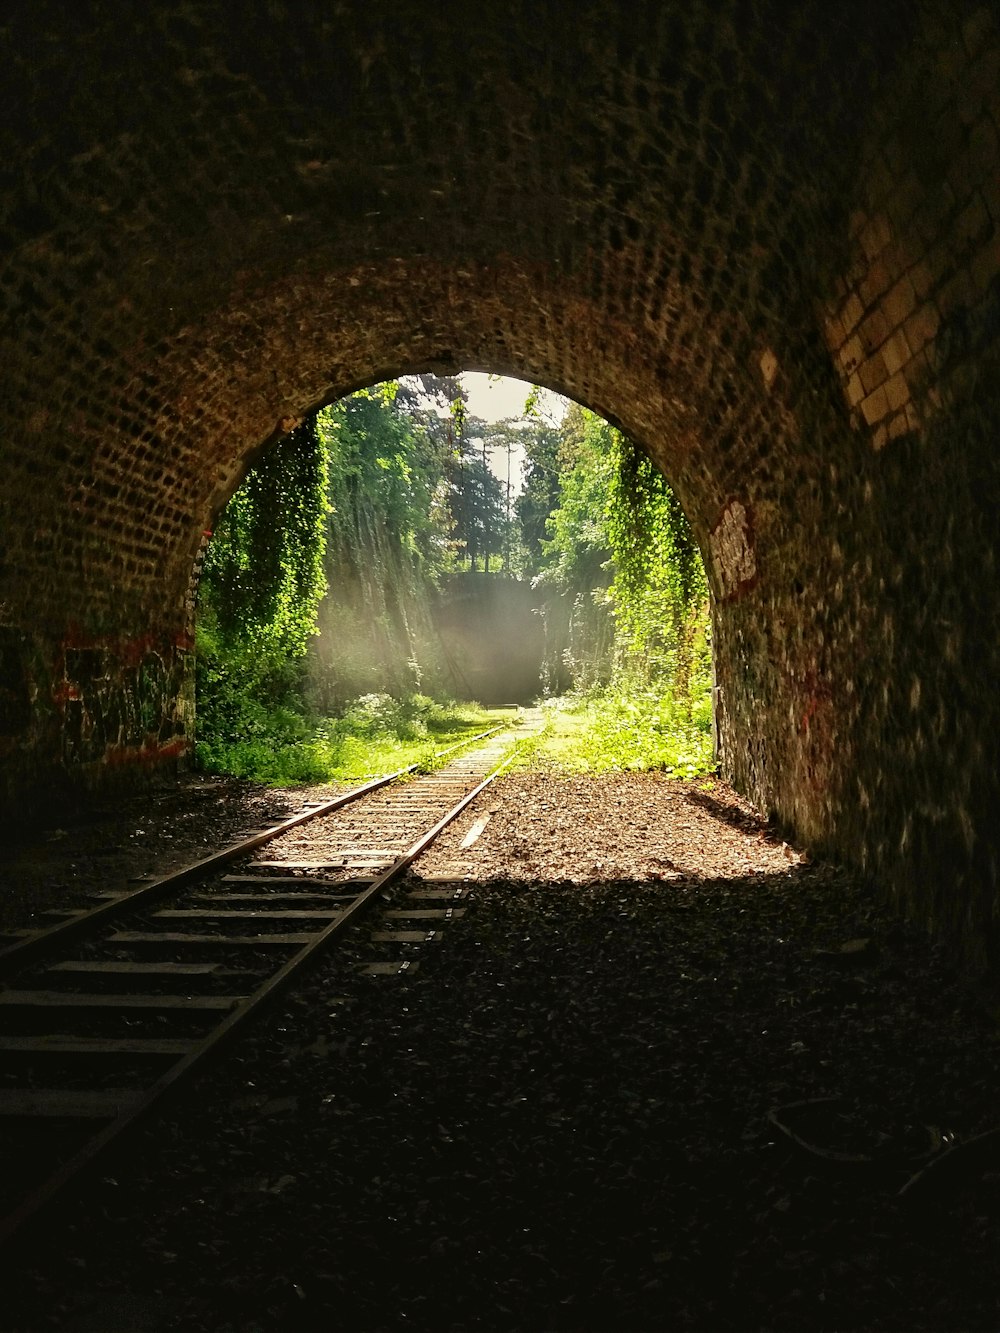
(234, 211)
(763, 237)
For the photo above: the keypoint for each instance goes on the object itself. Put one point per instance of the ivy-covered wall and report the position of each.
(763, 238)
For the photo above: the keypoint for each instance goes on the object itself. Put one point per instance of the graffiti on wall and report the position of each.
(118, 700)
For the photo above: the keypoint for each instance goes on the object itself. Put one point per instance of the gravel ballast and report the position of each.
(664, 1073)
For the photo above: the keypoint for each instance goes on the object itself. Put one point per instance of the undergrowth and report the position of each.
(613, 729)
(375, 735)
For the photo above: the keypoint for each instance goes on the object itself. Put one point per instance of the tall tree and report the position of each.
(388, 541)
(476, 497)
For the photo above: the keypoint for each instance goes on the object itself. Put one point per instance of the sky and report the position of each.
(494, 398)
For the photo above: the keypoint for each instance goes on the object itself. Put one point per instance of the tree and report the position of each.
(388, 541)
(476, 497)
(385, 469)
(576, 548)
(260, 588)
(532, 439)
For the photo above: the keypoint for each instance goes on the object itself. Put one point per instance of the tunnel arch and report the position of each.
(764, 242)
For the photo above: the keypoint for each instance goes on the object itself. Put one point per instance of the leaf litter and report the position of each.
(666, 1072)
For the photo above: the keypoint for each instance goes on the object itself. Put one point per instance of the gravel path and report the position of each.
(568, 1118)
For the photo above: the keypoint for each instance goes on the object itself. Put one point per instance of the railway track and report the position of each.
(104, 1014)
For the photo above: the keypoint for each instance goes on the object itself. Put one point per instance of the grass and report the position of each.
(615, 731)
(611, 730)
(376, 735)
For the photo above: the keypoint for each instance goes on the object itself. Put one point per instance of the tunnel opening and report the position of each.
(397, 565)
(766, 245)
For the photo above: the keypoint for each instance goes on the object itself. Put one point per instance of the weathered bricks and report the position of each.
(774, 260)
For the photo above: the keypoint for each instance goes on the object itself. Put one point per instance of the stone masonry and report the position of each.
(763, 238)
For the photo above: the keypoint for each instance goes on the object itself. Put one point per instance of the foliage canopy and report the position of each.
(384, 494)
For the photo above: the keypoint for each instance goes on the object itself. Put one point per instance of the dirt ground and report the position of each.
(666, 1072)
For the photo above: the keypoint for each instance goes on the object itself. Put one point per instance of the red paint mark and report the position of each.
(817, 727)
(78, 638)
(124, 653)
(127, 652)
(818, 694)
(814, 705)
(145, 756)
(65, 693)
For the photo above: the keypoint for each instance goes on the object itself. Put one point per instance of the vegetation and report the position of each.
(620, 730)
(389, 530)
(261, 585)
(624, 577)
(377, 497)
(376, 734)
(620, 562)
(382, 497)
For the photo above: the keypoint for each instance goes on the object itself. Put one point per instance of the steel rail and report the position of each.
(168, 1083)
(28, 950)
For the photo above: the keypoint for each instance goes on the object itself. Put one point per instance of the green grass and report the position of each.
(611, 730)
(376, 735)
(616, 731)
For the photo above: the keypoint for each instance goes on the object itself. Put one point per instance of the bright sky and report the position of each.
(494, 399)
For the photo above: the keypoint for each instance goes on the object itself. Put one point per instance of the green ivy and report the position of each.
(618, 543)
(263, 576)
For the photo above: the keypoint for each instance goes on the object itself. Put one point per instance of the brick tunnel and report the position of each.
(761, 238)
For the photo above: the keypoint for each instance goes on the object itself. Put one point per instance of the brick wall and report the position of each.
(913, 326)
(924, 247)
(761, 237)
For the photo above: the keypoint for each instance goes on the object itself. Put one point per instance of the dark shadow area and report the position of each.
(562, 1122)
(743, 820)
(96, 844)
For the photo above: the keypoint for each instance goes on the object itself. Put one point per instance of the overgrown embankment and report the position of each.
(373, 568)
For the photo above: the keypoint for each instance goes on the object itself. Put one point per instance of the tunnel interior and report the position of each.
(763, 242)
